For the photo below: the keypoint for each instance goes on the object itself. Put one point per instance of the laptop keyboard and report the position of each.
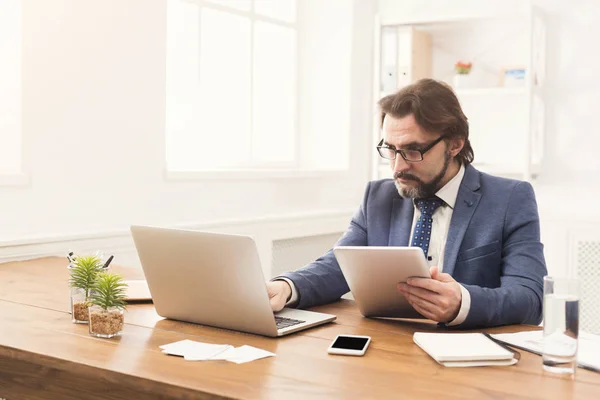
(282, 322)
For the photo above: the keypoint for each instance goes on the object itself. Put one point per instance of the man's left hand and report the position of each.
(438, 298)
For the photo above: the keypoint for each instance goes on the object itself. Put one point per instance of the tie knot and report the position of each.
(428, 206)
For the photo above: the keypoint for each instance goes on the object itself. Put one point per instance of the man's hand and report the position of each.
(279, 293)
(438, 298)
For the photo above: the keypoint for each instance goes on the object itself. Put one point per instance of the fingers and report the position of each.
(277, 294)
(440, 276)
(434, 312)
(277, 302)
(433, 271)
(424, 308)
(426, 283)
(428, 296)
(443, 277)
(436, 306)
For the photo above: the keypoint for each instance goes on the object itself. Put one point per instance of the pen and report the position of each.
(516, 354)
(539, 353)
(588, 367)
(108, 262)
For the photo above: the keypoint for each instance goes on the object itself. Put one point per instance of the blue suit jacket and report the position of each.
(493, 248)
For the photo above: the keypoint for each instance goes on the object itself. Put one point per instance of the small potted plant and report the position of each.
(107, 303)
(462, 70)
(83, 274)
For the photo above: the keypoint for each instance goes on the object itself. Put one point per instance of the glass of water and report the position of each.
(561, 324)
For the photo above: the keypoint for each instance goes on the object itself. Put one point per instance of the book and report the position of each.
(464, 349)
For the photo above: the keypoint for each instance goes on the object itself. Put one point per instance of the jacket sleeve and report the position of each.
(322, 281)
(519, 298)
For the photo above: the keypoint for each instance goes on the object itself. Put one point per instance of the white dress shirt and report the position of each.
(437, 242)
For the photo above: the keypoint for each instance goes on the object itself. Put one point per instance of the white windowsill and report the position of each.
(251, 174)
(14, 179)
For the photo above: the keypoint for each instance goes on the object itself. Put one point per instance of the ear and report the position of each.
(455, 145)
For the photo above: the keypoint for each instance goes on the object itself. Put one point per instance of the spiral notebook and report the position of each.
(464, 349)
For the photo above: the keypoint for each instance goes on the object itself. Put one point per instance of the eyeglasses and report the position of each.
(413, 155)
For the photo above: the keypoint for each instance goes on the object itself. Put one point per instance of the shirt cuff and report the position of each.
(465, 306)
(294, 297)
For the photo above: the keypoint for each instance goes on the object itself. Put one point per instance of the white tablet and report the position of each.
(373, 273)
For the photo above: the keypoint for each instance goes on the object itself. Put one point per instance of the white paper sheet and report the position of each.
(198, 351)
(194, 351)
(588, 354)
(245, 354)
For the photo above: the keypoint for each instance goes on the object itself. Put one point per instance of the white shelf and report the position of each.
(497, 114)
(483, 91)
(491, 91)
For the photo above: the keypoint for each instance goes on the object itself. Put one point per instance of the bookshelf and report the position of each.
(506, 117)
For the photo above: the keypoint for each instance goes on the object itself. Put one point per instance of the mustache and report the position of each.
(406, 176)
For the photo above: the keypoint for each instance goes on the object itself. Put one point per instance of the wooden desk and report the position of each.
(44, 356)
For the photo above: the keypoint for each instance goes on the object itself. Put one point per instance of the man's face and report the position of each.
(421, 179)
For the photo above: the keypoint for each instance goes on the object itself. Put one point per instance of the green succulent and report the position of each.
(109, 291)
(84, 272)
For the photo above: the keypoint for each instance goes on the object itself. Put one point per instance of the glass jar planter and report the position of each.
(79, 306)
(106, 323)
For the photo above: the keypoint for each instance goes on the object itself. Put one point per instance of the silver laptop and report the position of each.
(213, 279)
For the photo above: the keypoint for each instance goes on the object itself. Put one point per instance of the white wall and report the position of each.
(569, 181)
(325, 45)
(93, 129)
(10, 87)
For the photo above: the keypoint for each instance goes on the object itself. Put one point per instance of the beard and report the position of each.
(422, 190)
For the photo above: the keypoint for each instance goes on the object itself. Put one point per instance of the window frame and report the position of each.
(264, 170)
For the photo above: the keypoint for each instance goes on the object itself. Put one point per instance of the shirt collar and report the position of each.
(449, 192)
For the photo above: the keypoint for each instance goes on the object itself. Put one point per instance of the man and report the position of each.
(480, 233)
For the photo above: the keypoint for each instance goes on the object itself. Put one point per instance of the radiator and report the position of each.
(587, 264)
(293, 253)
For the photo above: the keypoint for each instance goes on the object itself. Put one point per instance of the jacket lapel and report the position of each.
(464, 208)
(401, 222)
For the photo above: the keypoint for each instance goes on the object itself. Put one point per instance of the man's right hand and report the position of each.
(279, 293)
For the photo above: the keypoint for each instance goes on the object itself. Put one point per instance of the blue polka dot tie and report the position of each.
(422, 231)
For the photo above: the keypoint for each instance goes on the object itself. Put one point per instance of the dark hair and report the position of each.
(435, 108)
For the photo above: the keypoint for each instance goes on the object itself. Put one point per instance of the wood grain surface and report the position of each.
(45, 356)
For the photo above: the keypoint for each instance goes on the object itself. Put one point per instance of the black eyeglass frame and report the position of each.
(401, 151)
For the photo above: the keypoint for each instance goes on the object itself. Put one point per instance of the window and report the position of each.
(231, 94)
(10, 89)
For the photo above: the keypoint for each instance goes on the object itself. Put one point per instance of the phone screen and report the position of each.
(350, 343)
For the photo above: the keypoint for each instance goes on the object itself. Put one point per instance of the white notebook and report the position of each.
(463, 349)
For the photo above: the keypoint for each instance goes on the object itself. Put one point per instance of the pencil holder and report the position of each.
(106, 305)
(79, 306)
(82, 279)
(106, 323)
